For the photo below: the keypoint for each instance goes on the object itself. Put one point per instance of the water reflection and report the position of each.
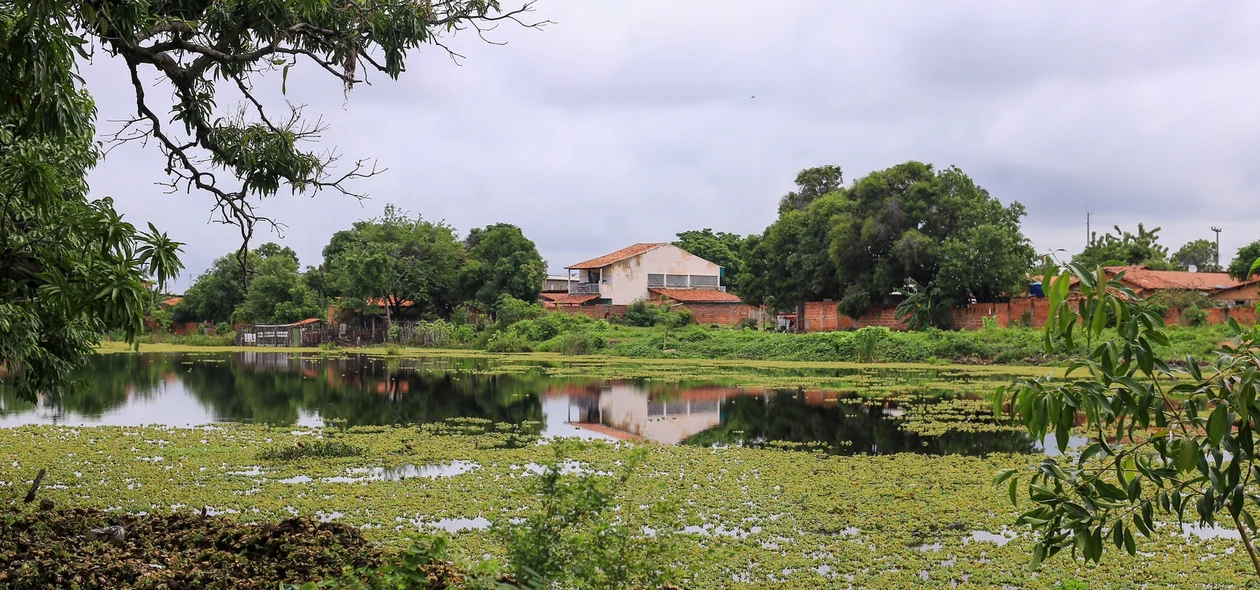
(295, 389)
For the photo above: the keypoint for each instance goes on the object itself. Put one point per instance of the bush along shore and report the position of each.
(650, 331)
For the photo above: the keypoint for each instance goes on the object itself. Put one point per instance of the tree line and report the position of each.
(913, 231)
(390, 262)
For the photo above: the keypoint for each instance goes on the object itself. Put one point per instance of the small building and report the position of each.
(304, 333)
(632, 273)
(1245, 294)
(1146, 282)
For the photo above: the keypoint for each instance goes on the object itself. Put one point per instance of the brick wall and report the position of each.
(726, 314)
(821, 316)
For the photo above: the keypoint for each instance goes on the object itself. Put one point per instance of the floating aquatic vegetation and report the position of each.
(818, 518)
(308, 450)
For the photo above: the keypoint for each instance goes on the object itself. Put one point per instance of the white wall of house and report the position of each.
(626, 281)
(628, 409)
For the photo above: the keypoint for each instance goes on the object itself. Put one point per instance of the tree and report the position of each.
(812, 183)
(1200, 254)
(1142, 249)
(501, 261)
(1162, 438)
(937, 229)
(70, 268)
(277, 291)
(1241, 267)
(789, 263)
(73, 267)
(216, 293)
(720, 248)
(395, 259)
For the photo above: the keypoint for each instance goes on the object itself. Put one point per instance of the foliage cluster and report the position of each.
(1167, 439)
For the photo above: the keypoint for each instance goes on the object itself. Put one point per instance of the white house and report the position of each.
(647, 271)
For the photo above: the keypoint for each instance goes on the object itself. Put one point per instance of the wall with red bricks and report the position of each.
(821, 316)
(726, 314)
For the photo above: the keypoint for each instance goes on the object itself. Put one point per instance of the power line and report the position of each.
(1218, 246)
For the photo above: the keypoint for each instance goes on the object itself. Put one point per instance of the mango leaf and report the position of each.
(1218, 423)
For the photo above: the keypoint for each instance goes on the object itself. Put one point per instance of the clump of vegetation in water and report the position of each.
(310, 450)
(46, 549)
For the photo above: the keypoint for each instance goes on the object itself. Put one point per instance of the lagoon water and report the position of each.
(178, 389)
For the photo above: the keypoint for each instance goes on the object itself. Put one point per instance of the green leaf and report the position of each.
(1004, 475)
(1218, 423)
(1130, 547)
(284, 78)
(1011, 491)
(1187, 454)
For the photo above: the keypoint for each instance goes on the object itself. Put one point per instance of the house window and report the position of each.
(592, 276)
(679, 281)
(708, 281)
(656, 280)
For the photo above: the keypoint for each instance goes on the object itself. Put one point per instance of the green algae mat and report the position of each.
(748, 517)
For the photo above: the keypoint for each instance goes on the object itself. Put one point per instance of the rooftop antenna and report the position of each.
(1218, 246)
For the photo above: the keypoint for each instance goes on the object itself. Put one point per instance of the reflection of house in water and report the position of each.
(628, 410)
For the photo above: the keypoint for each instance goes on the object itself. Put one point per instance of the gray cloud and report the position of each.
(632, 121)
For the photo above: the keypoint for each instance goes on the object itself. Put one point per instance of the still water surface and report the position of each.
(307, 390)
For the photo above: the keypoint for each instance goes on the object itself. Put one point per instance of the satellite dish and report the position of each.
(1193, 268)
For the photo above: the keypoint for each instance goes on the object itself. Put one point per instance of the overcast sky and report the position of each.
(631, 121)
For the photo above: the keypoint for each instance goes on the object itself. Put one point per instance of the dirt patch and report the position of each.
(50, 549)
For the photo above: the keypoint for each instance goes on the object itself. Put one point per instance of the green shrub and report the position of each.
(223, 329)
(576, 343)
(1193, 316)
(505, 342)
(509, 310)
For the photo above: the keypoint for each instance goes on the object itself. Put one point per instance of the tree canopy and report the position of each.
(721, 248)
(909, 224)
(812, 183)
(1142, 248)
(1240, 267)
(501, 261)
(277, 290)
(1201, 254)
(396, 259)
(72, 267)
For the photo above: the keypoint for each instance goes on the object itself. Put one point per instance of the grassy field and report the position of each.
(762, 518)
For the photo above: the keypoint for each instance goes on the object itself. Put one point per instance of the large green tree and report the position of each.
(396, 259)
(216, 293)
(277, 290)
(501, 261)
(721, 248)
(812, 183)
(72, 267)
(1240, 267)
(1142, 248)
(938, 229)
(789, 264)
(1201, 254)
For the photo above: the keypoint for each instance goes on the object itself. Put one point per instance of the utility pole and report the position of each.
(1088, 236)
(1218, 247)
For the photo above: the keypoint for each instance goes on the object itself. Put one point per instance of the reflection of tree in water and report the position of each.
(361, 390)
(846, 428)
(107, 383)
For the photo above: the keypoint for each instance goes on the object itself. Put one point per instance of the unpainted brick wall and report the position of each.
(821, 316)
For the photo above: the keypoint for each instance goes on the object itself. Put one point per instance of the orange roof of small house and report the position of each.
(698, 295)
(1239, 286)
(567, 299)
(307, 322)
(172, 301)
(622, 254)
(1159, 280)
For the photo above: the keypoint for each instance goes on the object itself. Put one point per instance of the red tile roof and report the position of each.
(697, 295)
(172, 302)
(567, 299)
(622, 254)
(307, 322)
(1156, 280)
